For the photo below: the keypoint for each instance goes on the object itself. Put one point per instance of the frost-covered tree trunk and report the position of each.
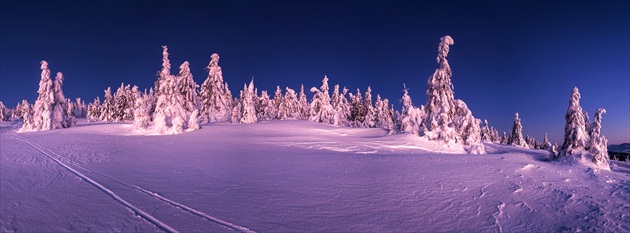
(215, 96)
(41, 119)
(516, 138)
(575, 134)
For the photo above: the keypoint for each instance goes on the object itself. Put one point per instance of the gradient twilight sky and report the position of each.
(508, 56)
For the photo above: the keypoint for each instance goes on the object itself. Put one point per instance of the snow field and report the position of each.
(282, 176)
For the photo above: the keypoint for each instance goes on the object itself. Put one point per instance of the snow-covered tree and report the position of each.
(358, 111)
(289, 108)
(370, 114)
(188, 88)
(440, 108)
(274, 104)
(321, 109)
(107, 108)
(486, 134)
(94, 110)
(303, 106)
(215, 96)
(262, 108)
(598, 145)
(193, 121)
(141, 115)
(575, 134)
(59, 118)
(248, 112)
(341, 107)
(72, 120)
(385, 115)
(516, 137)
(43, 107)
(546, 144)
(21, 109)
(410, 118)
(467, 127)
(80, 109)
(170, 115)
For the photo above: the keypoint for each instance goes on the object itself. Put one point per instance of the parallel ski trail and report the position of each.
(191, 210)
(107, 191)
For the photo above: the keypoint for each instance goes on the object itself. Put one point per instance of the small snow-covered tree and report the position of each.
(321, 110)
(546, 144)
(248, 112)
(468, 128)
(107, 108)
(289, 108)
(358, 110)
(193, 121)
(274, 104)
(41, 119)
(385, 115)
(486, 134)
(303, 105)
(72, 120)
(370, 114)
(516, 138)
(59, 118)
(598, 145)
(262, 108)
(410, 118)
(94, 110)
(141, 115)
(575, 134)
(215, 96)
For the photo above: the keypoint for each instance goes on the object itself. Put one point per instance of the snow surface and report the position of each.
(293, 176)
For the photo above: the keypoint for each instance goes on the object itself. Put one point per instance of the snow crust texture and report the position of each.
(268, 177)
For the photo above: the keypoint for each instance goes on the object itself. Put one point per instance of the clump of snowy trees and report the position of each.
(51, 108)
(582, 139)
(177, 104)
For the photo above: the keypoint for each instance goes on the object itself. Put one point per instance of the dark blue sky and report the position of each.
(508, 56)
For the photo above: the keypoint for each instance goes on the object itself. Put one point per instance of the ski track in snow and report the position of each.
(122, 201)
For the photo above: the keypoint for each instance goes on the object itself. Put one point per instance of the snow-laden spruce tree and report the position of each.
(123, 104)
(545, 143)
(442, 109)
(358, 111)
(43, 107)
(598, 145)
(289, 108)
(59, 118)
(262, 108)
(170, 115)
(321, 109)
(248, 112)
(410, 118)
(274, 104)
(107, 107)
(303, 106)
(385, 115)
(188, 88)
(142, 118)
(468, 128)
(575, 134)
(516, 137)
(486, 134)
(370, 114)
(70, 108)
(341, 108)
(215, 96)
(20, 110)
(94, 110)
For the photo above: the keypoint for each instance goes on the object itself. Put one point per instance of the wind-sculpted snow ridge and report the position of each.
(270, 177)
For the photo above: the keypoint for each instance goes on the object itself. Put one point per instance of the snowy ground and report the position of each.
(293, 176)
